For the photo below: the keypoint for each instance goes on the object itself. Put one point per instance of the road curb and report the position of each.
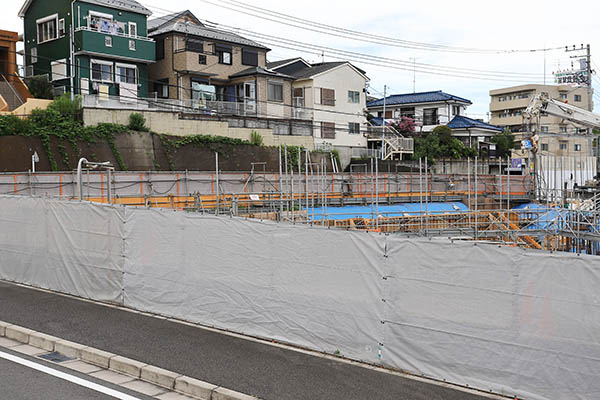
(158, 376)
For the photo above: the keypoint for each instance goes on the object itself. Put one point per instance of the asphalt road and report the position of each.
(19, 382)
(259, 369)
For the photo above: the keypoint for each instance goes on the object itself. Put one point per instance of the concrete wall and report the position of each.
(28, 106)
(171, 124)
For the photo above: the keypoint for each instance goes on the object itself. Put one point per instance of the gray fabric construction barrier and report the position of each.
(496, 318)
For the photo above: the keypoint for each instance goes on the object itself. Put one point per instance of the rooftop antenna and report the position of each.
(322, 56)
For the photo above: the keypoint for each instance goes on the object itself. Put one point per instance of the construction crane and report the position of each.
(542, 103)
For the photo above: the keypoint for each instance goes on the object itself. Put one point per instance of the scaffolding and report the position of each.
(305, 192)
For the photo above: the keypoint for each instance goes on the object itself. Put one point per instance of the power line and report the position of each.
(301, 23)
(376, 60)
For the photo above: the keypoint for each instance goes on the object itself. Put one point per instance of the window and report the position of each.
(33, 55)
(407, 112)
(327, 97)
(161, 87)
(354, 128)
(104, 23)
(578, 98)
(59, 69)
(562, 145)
(455, 110)
(249, 57)
(563, 96)
(160, 49)
(132, 29)
(194, 45)
(47, 28)
(201, 59)
(577, 147)
(543, 129)
(202, 91)
(224, 54)
(126, 74)
(61, 27)
(132, 45)
(353, 96)
(544, 146)
(102, 71)
(275, 91)
(328, 130)
(501, 98)
(108, 41)
(562, 129)
(298, 97)
(430, 116)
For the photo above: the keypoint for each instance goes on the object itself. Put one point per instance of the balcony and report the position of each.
(201, 107)
(134, 48)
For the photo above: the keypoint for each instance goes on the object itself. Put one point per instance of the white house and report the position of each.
(427, 109)
(335, 94)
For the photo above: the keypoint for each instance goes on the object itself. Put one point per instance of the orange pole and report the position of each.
(60, 186)
(245, 177)
(142, 184)
(177, 185)
(15, 179)
(101, 188)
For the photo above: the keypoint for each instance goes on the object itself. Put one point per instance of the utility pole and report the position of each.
(383, 122)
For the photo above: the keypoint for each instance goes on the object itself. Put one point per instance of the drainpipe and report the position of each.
(72, 52)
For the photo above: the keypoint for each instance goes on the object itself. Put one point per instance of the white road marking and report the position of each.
(71, 378)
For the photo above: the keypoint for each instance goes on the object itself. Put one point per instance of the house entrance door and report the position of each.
(250, 97)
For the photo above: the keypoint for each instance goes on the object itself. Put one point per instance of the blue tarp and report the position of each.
(404, 209)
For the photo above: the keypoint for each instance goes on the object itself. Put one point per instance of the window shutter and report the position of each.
(249, 57)
(328, 97)
(328, 130)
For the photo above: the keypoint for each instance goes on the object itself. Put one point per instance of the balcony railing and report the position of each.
(205, 107)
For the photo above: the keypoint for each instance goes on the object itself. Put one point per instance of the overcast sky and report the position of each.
(479, 24)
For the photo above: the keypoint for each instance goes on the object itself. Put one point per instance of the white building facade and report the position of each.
(335, 94)
(427, 109)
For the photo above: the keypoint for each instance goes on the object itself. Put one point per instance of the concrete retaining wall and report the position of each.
(170, 123)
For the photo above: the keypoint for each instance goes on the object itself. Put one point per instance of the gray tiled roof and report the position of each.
(155, 23)
(275, 64)
(260, 71)
(125, 5)
(316, 69)
(204, 32)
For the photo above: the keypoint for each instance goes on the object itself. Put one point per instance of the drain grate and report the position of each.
(55, 357)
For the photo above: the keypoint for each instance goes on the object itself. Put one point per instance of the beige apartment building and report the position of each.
(556, 136)
(508, 104)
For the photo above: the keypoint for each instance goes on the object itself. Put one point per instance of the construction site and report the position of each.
(514, 210)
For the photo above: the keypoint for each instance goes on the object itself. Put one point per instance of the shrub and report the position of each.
(67, 107)
(256, 139)
(137, 122)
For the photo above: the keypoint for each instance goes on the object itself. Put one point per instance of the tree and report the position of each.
(505, 142)
(39, 87)
(405, 126)
(441, 144)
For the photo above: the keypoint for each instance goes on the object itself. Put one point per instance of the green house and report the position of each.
(93, 46)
